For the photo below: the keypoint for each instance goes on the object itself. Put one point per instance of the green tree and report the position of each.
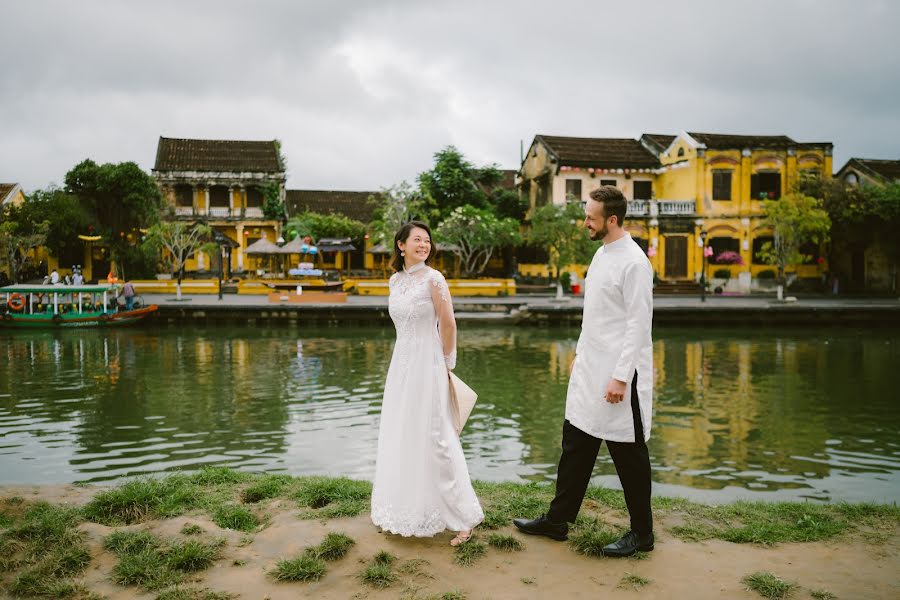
(475, 234)
(19, 235)
(394, 206)
(273, 207)
(181, 241)
(454, 182)
(120, 198)
(64, 214)
(508, 204)
(795, 220)
(318, 225)
(556, 227)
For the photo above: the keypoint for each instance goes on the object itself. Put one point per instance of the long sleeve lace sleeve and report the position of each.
(443, 304)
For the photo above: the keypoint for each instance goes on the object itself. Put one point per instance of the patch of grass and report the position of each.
(214, 476)
(141, 500)
(130, 542)
(180, 593)
(505, 501)
(45, 526)
(384, 558)
(145, 568)
(822, 595)
(43, 549)
(527, 580)
(640, 555)
(590, 535)
(415, 568)
(305, 568)
(191, 555)
(238, 562)
(466, 554)
(268, 486)
(507, 543)
(332, 498)
(235, 517)
(768, 585)
(614, 499)
(453, 595)
(630, 580)
(5, 520)
(333, 547)
(191, 529)
(378, 575)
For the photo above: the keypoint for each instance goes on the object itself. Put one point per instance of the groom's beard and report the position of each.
(599, 234)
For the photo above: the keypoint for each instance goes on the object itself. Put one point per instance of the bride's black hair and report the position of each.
(401, 236)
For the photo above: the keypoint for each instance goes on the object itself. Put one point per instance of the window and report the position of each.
(721, 185)
(184, 195)
(573, 190)
(765, 186)
(680, 152)
(720, 245)
(218, 195)
(811, 251)
(757, 246)
(611, 182)
(254, 197)
(643, 190)
(851, 179)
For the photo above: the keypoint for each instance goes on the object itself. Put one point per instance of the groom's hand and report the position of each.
(615, 391)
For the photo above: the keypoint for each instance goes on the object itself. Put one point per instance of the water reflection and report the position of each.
(799, 414)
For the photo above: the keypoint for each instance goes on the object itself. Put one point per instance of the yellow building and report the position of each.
(11, 193)
(685, 192)
(220, 183)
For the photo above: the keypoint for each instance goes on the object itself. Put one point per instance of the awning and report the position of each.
(335, 245)
(262, 246)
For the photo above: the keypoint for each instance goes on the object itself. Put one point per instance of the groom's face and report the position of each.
(595, 220)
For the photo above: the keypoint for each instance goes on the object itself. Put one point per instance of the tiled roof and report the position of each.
(599, 152)
(173, 154)
(657, 142)
(888, 170)
(723, 141)
(355, 205)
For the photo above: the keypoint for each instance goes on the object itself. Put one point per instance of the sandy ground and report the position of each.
(856, 566)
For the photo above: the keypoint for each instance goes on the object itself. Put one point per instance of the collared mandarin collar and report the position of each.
(617, 245)
(414, 268)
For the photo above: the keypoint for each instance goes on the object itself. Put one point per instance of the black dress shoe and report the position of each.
(628, 544)
(541, 526)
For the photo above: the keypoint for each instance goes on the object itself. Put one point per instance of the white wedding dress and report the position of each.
(422, 485)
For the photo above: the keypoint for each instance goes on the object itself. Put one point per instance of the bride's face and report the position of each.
(417, 246)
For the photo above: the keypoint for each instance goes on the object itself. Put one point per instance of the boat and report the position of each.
(53, 306)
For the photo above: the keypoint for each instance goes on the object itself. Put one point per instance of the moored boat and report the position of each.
(52, 306)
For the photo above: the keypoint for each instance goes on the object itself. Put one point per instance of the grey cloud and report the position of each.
(362, 94)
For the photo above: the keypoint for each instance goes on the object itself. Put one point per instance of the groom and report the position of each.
(611, 383)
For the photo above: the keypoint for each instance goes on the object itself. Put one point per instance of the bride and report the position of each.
(422, 485)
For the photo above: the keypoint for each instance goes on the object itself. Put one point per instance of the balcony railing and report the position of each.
(654, 208)
(676, 207)
(638, 207)
(222, 211)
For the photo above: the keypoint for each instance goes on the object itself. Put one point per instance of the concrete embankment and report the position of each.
(544, 311)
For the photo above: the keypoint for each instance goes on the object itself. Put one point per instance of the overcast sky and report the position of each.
(363, 93)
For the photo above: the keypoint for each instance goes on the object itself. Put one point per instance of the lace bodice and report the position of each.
(421, 308)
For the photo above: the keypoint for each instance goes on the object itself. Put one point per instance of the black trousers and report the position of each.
(632, 461)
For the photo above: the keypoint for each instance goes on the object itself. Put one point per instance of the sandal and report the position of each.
(461, 538)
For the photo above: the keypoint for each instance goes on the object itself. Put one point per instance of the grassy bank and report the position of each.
(45, 550)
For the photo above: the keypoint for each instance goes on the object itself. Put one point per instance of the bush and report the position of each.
(722, 273)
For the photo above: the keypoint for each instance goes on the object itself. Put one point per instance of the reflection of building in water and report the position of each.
(730, 406)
